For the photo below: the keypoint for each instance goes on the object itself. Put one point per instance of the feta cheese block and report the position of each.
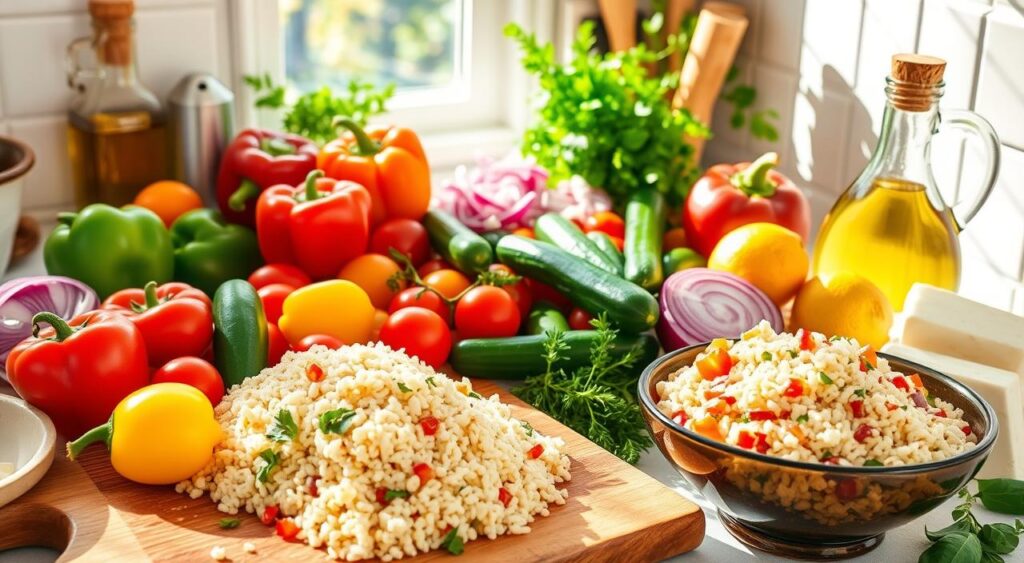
(941, 321)
(1000, 388)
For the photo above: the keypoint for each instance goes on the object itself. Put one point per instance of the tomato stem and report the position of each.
(753, 180)
(60, 326)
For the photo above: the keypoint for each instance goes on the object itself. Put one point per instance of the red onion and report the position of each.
(511, 193)
(22, 298)
(919, 400)
(698, 305)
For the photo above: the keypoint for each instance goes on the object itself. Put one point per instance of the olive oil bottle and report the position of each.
(116, 129)
(891, 225)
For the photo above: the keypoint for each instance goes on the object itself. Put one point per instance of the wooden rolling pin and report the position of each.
(720, 29)
(619, 17)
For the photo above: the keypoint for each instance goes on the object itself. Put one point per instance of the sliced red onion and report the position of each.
(22, 298)
(698, 305)
(919, 400)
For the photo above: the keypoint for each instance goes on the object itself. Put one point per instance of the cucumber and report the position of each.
(645, 225)
(628, 306)
(545, 317)
(456, 243)
(604, 241)
(516, 357)
(561, 232)
(240, 337)
(493, 237)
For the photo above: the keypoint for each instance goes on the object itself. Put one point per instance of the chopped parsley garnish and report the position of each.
(452, 542)
(802, 418)
(430, 381)
(793, 354)
(475, 395)
(284, 428)
(271, 459)
(826, 454)
(869, 365)
(745, 418)
(527, 428)
(861, 393)
(825, 378)
(930, 399)
(337, 421)
(229, 523)
(873, 463)
(392, 494)
(403, 388)
(766, 356)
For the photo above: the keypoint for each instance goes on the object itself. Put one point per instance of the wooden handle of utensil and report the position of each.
(674, 12)
(619, 17)
(712, 51)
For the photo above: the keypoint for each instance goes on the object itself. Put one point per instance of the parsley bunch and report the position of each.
(597, 400)
(968, 541)
(602, 117)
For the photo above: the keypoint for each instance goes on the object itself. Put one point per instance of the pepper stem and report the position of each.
(60, 326)
(66, 218)
(151, 299)
(246, 191)
(275, 146)
(367, 146)
(311, 192)
(753, 180)
(102, 432)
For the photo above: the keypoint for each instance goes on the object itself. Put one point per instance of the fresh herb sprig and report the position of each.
(967, 540)
(597, 400)
(284, 428)
(603, 118)
(311, 113)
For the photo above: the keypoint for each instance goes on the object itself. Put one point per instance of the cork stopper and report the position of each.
(114, 17)
(916, 81)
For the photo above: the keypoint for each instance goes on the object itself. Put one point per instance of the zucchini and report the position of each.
(240, 337)
(516, 357)
(645, 225)
(545, 317)
(561, 232)
(604, 241)
(628, 306)
(456, 243)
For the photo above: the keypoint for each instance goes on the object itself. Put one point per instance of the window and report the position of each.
(457, 78)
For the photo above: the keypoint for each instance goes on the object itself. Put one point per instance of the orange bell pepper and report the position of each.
(388, 161)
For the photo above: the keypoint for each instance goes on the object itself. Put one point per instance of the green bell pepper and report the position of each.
(110, 249)
(209, 251)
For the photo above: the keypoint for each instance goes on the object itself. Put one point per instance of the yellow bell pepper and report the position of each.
(158, 435)
(337, 308)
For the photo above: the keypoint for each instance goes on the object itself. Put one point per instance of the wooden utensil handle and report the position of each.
(619, 17)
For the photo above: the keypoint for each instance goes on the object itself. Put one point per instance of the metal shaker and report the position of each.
(201, 123)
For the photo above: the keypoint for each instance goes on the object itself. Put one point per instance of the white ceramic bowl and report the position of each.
(27, 441)
(16, 159)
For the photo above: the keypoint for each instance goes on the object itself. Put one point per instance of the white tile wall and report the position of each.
(822, 64)
(173, 38)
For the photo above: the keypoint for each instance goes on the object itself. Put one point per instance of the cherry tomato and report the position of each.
(193, 371)
(431, 266)
(272, 296)
(420, 297)
(580, 319)
(674, 238)
(277, 344)
(524, 232)
(519, 291)
(486, 312)
(307, 342)
(404, 235)
(371, 272)
(421, 332)
(379, 318)
(544, 292)
(449, 283)
(606, 222)
(279, 273)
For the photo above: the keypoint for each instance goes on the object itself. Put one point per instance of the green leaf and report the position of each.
(989, 557)
(527, 427)
(802, 418)
(1002, 495)
(861, 393)
(766, 356)
(430, 381)
(873, 463)
(404, 388)
(998, 538)
(737, 119)
(392, 494)
(956, 547)
(253, 81)
(793, 354)
(825, 378)
(273, 99)
(271, 460)
(284, 428)
(453, 542)
(960, 525)
(336, 421)
(229, 523)
(475, 395)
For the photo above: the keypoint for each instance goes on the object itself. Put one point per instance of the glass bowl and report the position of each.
(812, 510)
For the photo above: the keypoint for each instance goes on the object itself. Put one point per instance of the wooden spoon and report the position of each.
(619, 18)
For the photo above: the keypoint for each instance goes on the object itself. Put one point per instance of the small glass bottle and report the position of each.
(891, 225)
(116, 132)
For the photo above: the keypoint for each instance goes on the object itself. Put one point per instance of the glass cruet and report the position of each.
(891, 225)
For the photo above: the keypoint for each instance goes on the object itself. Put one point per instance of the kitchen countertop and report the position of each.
(902, 544)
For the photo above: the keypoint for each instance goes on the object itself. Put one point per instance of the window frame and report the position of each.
(485, 115)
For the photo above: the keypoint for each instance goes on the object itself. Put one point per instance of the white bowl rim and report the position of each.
(45, 447)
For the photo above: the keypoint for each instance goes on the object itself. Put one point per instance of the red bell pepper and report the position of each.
(255, 160)
(78, 372)
(175, 319)
(318, 226)
(729, 196)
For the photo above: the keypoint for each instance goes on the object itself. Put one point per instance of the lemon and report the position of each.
(844, 304)
(767, 255)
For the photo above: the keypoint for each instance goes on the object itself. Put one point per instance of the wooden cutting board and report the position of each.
(614, 513)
